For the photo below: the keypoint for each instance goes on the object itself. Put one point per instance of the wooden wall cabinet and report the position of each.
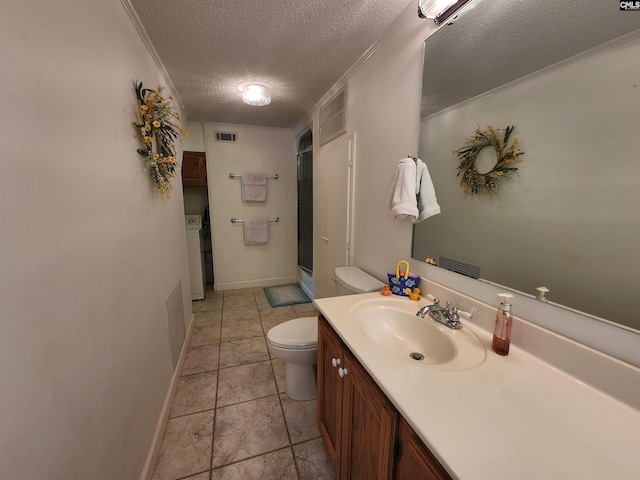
(194, 170)
(365, 436)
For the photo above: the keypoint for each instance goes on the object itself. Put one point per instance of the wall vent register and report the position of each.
(226, 137)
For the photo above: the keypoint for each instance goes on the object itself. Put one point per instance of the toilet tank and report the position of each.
(352, 280)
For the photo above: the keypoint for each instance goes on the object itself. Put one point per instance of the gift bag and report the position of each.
(402, 280)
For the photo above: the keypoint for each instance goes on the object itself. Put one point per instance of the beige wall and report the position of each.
(258, 150)
(89, 252)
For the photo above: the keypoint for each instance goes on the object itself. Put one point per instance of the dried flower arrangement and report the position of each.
(157, 131)
(487, 183)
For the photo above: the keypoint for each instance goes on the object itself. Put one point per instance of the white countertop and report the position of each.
(513, 417)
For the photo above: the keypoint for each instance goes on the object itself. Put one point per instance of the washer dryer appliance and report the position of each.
(196, 257)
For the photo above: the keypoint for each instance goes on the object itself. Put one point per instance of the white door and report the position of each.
(336, 164)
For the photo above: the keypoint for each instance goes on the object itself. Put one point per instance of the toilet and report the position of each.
(352, 280)
(296, 341)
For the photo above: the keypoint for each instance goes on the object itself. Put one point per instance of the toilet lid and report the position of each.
(297, 333)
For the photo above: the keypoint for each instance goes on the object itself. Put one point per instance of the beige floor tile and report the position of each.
(238, 292)
(248, 429)
(195, 393)
(300, 418)
(305, 310)
(186, 447)
(240, 352)
(261, 299)
(275, 465)
(313, 461)
(208, 317)
(205, 335)
(206, 304)
(267, 311)
(201, 359)
(200, 476)
(246, 312)
(245, 382)
(241, 329)
(279, 371)
(240, 301)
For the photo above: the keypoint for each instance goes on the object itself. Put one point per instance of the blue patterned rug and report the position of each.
(285, 295)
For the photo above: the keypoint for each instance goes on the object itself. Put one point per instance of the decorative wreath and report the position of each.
(487, 183)
(157, 132)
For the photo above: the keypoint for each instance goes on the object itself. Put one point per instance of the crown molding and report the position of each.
(152, 51)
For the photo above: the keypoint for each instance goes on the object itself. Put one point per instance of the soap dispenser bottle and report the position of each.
(502, 330)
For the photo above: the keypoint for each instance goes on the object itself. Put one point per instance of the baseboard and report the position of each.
(156, 443)
(263, 282)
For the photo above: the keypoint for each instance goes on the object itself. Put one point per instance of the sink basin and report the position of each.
(393, 327)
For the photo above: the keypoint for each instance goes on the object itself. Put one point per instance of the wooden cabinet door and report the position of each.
(194, 170)
(369, 427)
(415, 461)
(330, 391)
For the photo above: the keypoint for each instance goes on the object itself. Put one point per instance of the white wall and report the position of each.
(258, 150)
(89, 252)
(383, 110)
(194, 141)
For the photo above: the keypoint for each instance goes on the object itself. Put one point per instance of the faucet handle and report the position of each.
(454, 314)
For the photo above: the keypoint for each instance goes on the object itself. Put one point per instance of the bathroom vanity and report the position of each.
(364, 434)
(385, 416)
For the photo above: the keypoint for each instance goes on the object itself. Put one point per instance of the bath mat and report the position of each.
(285, 295)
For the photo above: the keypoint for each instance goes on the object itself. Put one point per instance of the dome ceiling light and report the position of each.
(255, 94)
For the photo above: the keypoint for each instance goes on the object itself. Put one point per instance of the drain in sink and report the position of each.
(416, 356)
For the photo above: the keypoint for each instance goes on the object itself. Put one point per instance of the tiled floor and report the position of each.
(230, 418)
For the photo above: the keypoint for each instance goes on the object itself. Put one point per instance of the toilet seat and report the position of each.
(296, 334)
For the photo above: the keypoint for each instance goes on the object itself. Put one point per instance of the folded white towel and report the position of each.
(401, 198)
(427, 202)
(256, 232)
(254, 187)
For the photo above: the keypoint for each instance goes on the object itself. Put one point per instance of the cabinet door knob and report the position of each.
(342, 372)
(335, 362)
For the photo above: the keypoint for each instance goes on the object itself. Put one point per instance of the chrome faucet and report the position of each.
(446, 315)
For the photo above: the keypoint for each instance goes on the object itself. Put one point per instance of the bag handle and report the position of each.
(406, 272)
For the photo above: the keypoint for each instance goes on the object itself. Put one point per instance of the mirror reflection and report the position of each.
(567, 220)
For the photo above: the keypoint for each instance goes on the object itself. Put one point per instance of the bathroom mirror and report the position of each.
(567, 76)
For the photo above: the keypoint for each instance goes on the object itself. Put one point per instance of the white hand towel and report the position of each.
(254, 187)
(401, 198)
(427, 202)
(256, 232)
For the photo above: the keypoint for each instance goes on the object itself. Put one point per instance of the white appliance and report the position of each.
(196, 257)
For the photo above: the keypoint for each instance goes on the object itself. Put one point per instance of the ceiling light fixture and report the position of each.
(255, 94)
(440, 10)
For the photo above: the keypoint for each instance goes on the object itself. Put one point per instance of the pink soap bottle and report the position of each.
(502, 330)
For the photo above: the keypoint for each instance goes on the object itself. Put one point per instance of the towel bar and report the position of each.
(235, 220)
(236, 175)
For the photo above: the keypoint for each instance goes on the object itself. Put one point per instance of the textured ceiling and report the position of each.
(299, 48)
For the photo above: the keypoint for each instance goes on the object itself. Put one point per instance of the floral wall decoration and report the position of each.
(157, 130)
(487, 183)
